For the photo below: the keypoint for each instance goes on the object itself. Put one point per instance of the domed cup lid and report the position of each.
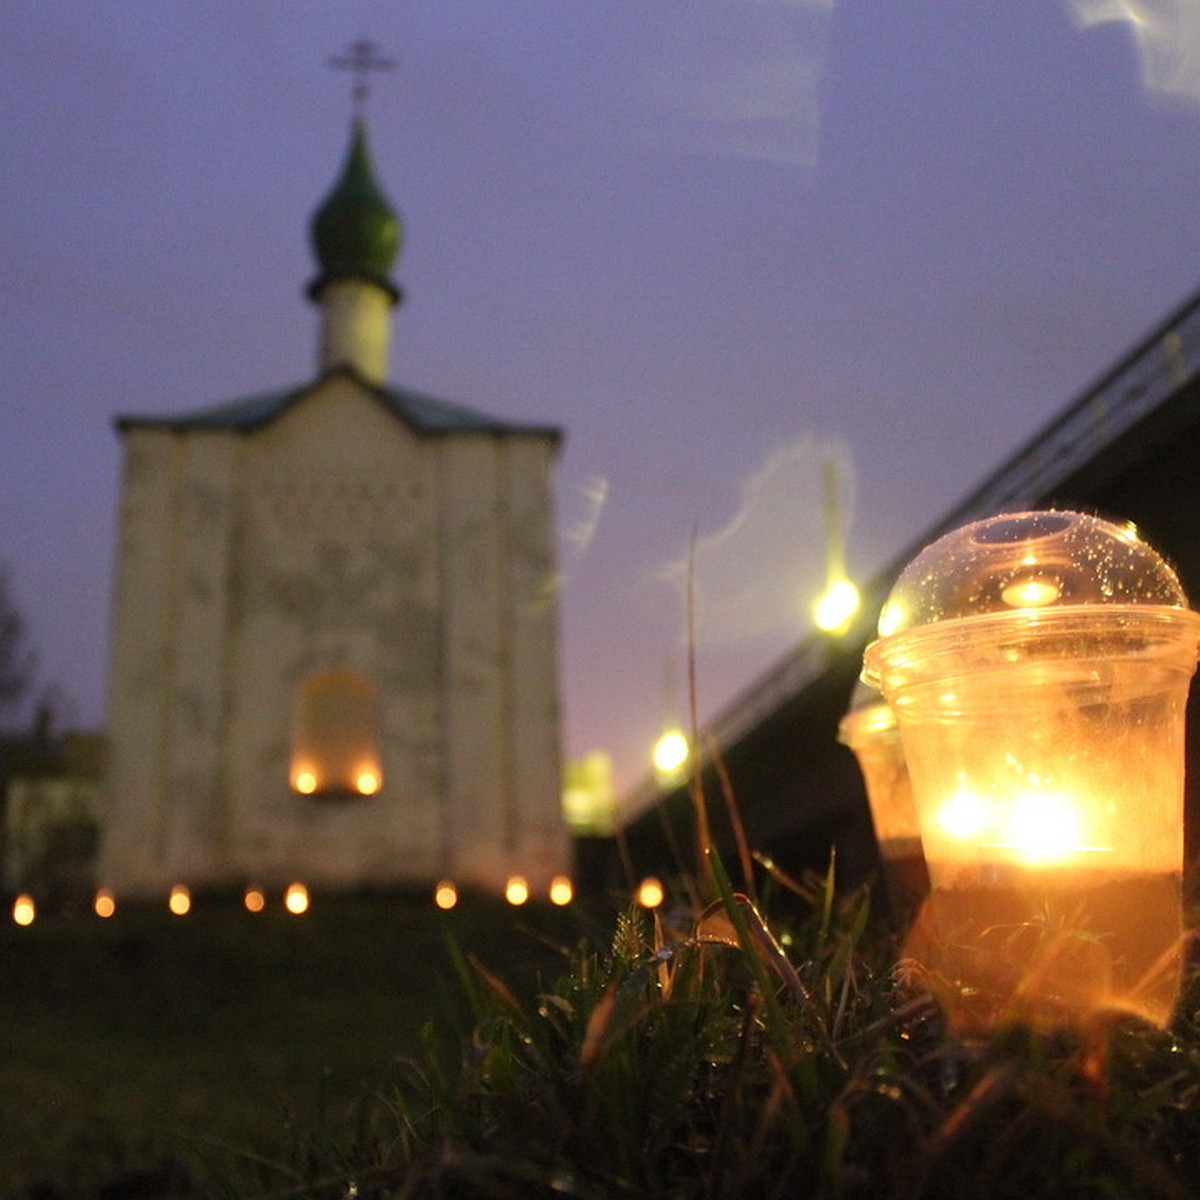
(1043, 569)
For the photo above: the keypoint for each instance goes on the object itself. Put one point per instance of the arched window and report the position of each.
(335, 737)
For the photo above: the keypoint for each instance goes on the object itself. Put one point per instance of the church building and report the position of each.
(334, 644)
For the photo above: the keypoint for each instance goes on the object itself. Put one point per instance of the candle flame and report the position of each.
(1030, 592)
(295, 899)
(1036, 827)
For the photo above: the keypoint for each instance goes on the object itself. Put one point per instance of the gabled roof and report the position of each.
(425, 415)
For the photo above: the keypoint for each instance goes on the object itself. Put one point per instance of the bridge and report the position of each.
(1127, 446)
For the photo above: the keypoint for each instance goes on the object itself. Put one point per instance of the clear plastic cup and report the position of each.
(869, 730)
(1038, 667)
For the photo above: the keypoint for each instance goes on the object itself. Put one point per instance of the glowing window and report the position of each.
(335, 739)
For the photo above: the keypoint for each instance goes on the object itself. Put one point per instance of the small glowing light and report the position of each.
(445, 895)
(255, 899)
(964, 816)
(105, 903)
(367, 783)
(836, 606)
(1045, 827)
(517, 890)
(1030, 592)
(24, 910)
(295, 899)
(180, 900)
(650, 892)
(670, 752)
(561, 891)
(306, 782)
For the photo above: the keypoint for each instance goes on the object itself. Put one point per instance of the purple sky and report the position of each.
(717, 240)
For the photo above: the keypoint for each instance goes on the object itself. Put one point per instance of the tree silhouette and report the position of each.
(17, 660)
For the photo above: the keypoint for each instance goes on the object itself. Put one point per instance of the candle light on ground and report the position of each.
(1038, 666)
(24, 910)
(295, 899)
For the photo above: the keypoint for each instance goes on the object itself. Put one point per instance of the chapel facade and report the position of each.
(334, 642)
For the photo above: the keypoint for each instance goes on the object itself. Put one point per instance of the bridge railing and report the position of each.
(1152, 372)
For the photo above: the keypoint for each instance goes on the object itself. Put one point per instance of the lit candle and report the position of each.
(869, 730)
(1038, 667)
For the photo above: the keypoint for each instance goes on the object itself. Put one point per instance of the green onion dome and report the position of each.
(356, 234)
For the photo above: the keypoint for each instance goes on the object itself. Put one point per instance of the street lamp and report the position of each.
(837, 604)
(1038, 666)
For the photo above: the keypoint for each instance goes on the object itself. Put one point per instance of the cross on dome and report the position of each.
(362, 58)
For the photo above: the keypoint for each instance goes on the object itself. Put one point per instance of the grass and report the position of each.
(707, 1059)
(148, 1037)
(699, 1053)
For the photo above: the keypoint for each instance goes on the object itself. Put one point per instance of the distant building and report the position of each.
(52, 804)
(334, 651)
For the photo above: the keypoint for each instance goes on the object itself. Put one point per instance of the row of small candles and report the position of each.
(649, 894)
(179, 902)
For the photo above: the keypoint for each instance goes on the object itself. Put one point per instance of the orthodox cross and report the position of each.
(361, 58)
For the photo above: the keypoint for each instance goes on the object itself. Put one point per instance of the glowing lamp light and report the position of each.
(367, 782)
(836, 606)
(650, 893)
(305, 782)
(671, 755)
(105, 903)
(254, 899)
(445, 895)
(180, 900)
(587, 796)
(24, 910)
(1038, 666)
(516, 891)
(295, 899)
(561, 891)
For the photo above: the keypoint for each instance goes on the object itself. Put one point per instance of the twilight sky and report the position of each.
(718, 241)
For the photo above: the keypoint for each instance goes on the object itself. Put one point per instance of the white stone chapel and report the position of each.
(334, 644)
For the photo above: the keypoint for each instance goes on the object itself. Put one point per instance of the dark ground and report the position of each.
(148, 1038)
